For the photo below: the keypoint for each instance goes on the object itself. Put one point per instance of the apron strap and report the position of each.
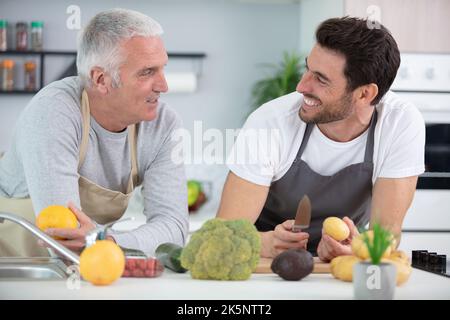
(86, 117)
(368, 155)
(307, 134)
(132, 140)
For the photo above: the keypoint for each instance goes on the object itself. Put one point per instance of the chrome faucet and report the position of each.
(100, 232)
(55, 245)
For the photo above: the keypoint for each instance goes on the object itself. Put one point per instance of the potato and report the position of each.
(334, 262)
(359, 247)
(336, 228)
(403, 267)
(399, 255)
(343, 267)
(403, 273)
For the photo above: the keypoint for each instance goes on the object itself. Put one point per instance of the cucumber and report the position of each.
(169, 254)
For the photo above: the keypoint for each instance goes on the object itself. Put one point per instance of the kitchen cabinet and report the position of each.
(417, 25)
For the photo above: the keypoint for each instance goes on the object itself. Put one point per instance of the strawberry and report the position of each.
(151, 264)
(141, 264)
(137, 273)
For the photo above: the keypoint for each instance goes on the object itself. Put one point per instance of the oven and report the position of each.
(424, 79)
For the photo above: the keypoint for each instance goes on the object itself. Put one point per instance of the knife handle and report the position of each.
(298, 228)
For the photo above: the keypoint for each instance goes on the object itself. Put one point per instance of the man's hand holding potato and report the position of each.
(336, 239)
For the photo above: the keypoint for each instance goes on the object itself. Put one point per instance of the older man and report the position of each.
(88, 141)
(347, 142)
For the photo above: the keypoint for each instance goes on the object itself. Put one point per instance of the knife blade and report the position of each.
(303, 215)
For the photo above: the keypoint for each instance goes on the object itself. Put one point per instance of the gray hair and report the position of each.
(100, 41)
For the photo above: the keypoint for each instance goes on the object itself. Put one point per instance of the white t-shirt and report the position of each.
(270, 139)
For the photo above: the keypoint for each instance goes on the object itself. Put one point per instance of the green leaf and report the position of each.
(281, 80)
(382, 239)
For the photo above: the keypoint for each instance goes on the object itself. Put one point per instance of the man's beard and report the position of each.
(342, 109)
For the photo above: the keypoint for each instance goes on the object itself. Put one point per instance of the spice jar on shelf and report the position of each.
(21, 36)
(3, 35)
(36, 35)
(30, 76)
(7, 75)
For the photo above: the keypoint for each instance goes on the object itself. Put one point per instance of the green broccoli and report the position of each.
(223, 250)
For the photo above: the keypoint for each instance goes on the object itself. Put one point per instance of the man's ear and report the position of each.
(100, 80)
(367, 93)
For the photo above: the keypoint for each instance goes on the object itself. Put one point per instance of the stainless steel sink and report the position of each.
(44, 268)
(35, 268)
(51, 243)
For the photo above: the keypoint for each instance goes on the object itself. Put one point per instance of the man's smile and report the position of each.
(311, 102)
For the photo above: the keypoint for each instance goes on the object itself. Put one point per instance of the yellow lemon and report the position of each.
(102, 263)
(336, 228)
(56, 217)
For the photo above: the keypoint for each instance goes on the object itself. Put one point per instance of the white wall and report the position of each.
(312, 13)
(235, 35)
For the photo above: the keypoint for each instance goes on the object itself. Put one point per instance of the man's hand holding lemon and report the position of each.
(102, 263)
(69, 226)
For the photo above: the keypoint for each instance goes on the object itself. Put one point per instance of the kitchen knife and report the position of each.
(303, 215)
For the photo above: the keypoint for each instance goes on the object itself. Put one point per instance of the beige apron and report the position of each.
(100, 204)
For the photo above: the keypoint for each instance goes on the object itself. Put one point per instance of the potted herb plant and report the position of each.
(374, 279)
(282, 79)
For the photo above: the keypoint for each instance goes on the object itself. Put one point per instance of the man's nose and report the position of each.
(160, 84)
(304, 85)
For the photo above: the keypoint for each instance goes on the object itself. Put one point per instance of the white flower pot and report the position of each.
(374, 282)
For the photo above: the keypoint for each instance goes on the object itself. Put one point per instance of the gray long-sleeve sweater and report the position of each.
(43, 159)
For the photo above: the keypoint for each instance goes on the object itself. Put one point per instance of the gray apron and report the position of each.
(346, 193)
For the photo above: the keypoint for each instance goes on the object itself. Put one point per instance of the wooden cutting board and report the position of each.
(319, 266)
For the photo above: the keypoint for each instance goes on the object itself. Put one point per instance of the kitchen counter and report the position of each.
(173, 286)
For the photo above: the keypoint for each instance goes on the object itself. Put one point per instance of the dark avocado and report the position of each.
(293, 264)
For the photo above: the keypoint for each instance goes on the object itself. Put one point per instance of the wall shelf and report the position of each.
(18, 92)
(186, 55)
(29, 52)
(44, 53)
(194, 55)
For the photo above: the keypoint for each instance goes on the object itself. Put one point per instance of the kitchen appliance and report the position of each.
(424, 80)
(431, 262)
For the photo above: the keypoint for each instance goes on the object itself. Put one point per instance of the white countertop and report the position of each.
(173, 286)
